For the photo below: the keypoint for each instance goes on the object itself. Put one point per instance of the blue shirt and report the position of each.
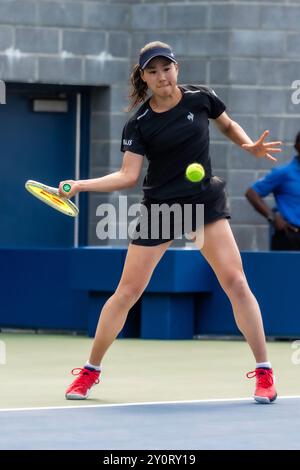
(284, 183)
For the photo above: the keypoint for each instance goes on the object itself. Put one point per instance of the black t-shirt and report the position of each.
(172, 140)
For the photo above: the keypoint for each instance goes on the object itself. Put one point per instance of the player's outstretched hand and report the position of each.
(68, 188)
(262, 149)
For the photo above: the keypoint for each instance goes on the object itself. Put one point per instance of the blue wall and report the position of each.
(273, 278)
(36, 293)
(65, 288)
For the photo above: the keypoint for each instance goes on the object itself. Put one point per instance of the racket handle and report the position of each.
(66, 187)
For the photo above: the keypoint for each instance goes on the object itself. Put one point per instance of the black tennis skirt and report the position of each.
(162, 221)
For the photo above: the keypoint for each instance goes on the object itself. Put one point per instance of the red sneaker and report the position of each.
(81, 386)
(265, 391)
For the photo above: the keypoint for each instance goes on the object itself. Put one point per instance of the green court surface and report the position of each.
(37, 370)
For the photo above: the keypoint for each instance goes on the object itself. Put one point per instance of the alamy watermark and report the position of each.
(153, 221)
(296, 354)
(2, 92)
(2, 353)
(295, 98)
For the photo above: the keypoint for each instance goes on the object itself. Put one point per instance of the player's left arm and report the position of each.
(233, 131)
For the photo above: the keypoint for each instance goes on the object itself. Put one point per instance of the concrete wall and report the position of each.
(247, 51)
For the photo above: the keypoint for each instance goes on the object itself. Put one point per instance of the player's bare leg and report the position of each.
(139, 265)
(138, 268)
(221, 252)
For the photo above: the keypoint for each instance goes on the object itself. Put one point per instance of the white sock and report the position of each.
(88, 364)
(264, 364)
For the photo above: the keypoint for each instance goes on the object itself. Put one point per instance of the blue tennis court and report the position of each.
(204, 424)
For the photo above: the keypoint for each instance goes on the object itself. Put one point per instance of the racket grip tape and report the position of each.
(66, 187)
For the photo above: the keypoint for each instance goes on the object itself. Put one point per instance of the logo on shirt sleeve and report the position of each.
(127, 142)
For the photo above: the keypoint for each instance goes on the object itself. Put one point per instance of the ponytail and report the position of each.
(138, 91)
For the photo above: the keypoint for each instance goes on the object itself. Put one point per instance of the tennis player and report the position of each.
(171, 129)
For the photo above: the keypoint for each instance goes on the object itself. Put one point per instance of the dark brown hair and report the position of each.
(138, 90)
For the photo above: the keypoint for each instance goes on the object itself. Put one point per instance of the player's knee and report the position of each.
(127, 295)
(236, 285)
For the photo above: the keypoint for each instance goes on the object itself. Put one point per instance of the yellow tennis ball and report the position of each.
(195, 172)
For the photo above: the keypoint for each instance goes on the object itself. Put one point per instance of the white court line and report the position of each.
(115, 405)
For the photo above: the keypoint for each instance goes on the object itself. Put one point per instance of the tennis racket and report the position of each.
(51, 196)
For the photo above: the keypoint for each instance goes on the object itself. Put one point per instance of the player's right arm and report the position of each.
(126, 177)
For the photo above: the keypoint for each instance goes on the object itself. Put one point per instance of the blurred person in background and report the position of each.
(284, 183)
